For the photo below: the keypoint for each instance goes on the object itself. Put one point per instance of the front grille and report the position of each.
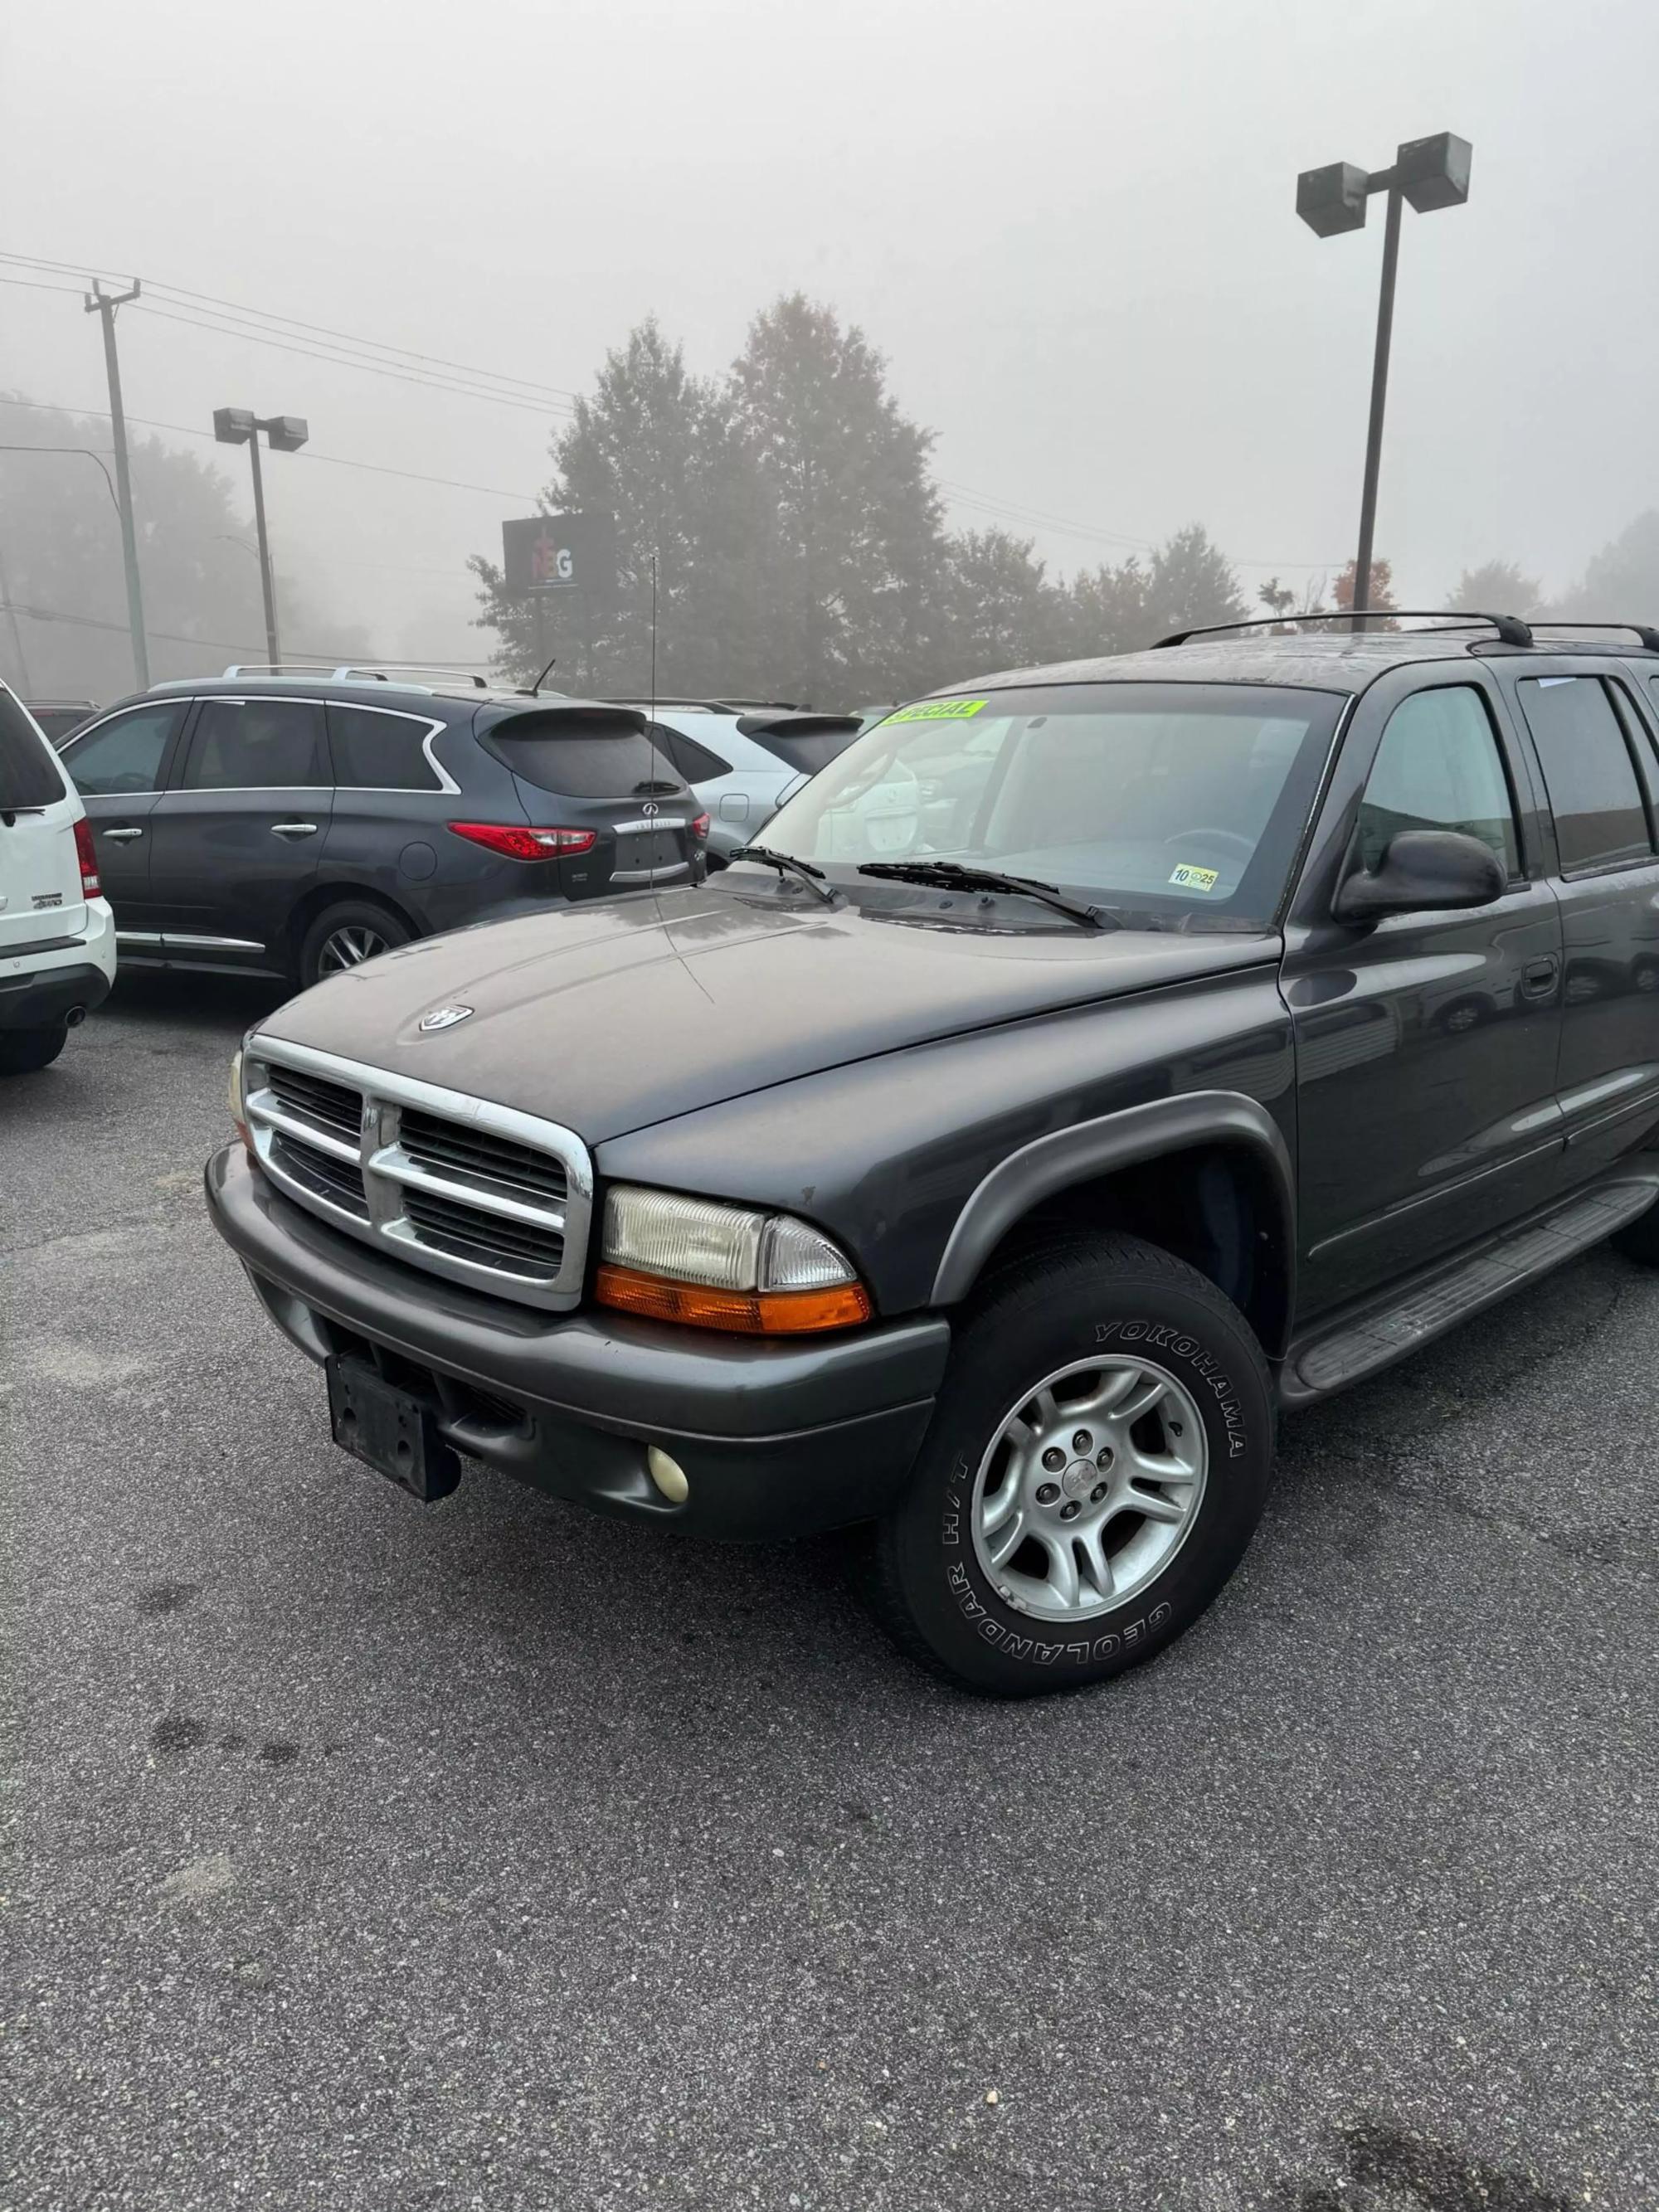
(337, 1181)
(329, 1106)
(463, 1188)
(470, 1155)
(488, 1239)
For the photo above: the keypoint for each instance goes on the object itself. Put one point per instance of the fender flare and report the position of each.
(1052, 1164)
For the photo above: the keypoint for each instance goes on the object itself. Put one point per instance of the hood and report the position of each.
(611, 1015)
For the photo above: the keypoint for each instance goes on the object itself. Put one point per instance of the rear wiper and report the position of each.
(787, 864)
(954, 877)
(648, 785)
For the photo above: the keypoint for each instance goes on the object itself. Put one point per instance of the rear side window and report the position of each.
(579, 759)
(123, 756)
(257, 744)
(376, 751)
(695, 761)
(1600, 819)
(807, 751)
(1438, 768)
(28, 769)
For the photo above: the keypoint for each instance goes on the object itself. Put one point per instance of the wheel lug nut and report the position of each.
(1070, 1512)
(1105, 1458)
(1099, 1492)
(1083, 1442)
(1054, 1459)
(1047, 1493)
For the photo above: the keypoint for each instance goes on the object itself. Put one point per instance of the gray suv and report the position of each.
(296, 821)
(1095, 1061)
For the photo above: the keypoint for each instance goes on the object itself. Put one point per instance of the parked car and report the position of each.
(744, 761)
(57, 933)
(297, 823)
(58, 718)
(995, 1168)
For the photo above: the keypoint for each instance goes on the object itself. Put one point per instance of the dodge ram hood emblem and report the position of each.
(444, 1017)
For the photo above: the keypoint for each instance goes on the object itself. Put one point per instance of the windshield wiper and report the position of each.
(954, 877)
(787, 864)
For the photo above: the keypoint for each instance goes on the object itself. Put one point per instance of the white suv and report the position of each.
(56, 933)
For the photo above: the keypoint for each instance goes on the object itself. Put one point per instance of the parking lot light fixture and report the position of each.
(1430, 174)
(240, 426)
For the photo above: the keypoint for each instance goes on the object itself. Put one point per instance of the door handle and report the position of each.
(1538, 977)
(122, 836)
(293, 828)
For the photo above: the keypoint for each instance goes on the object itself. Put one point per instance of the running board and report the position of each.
(1375, 1337)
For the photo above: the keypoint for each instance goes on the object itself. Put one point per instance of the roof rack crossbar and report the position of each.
(1510, 629)
(1645, 634)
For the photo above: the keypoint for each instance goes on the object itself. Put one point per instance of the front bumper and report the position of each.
(782, 1438)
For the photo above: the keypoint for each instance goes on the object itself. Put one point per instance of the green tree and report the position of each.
(1190, 583)
(1622, 580)
(1000, 609)
(654, 447)
(60, 559)
(851, 549)
(1496, 587)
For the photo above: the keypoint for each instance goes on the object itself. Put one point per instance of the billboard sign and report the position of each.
(558, 553)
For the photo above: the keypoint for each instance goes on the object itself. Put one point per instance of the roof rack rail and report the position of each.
(1645, 634)
(270, 668)
(384, 671)
(354, 672)
(1510, 629)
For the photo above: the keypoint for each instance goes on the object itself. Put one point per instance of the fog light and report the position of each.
(668, 1475)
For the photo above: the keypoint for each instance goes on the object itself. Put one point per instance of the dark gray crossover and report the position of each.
(1091, 1062)
(296, 821)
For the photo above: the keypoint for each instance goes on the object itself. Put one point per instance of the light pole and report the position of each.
(240, 426)
(1431, 172)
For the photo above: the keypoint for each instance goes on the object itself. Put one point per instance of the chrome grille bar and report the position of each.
(458, 1219)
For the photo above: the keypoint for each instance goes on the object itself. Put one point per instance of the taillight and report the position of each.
(517, 844)
(699, 827)
(86, 854)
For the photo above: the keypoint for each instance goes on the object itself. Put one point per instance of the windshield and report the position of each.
(1173, 799)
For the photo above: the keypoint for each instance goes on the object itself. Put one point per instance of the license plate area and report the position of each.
(390, 1430)
(650, 849)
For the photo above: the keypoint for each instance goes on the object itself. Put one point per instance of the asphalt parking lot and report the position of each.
(493, 1855)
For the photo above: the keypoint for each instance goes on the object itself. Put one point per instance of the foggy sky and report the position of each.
(1068, 224)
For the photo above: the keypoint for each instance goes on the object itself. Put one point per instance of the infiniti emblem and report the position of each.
(443, 1018)
(649, 807)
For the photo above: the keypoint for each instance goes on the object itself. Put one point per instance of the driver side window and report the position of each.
(122, 758)
(1438, 768)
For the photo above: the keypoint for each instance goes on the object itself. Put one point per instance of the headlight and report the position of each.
(722, 1267)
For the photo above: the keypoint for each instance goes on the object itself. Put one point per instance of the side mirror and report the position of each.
(1422, 872)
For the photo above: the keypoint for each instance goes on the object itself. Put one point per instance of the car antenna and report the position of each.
(545, 673)
(651, 735)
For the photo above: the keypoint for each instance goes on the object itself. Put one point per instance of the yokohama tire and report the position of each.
(1109, 1304)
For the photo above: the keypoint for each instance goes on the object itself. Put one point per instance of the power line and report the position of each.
(323, 330)
(332, 655)
(308, 453)
(347, 361)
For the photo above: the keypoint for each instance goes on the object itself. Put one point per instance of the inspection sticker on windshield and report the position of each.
(939, 710)
(1187, 878)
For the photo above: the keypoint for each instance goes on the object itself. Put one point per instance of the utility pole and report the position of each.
(102, 303)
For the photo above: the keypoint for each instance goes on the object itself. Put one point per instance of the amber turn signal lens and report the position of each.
(743, 1313)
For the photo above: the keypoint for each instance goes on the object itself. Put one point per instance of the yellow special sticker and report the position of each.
(1196, 879)
(939, 710)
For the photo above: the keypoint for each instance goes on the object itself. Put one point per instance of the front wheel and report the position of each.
(1096, 1468)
